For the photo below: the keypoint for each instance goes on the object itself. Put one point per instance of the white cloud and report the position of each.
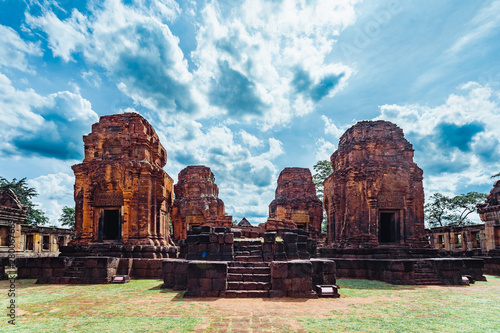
(64, 37)
(324, 149)
(50, 126)
(54, 192)
(457, 143)
(241, 169)
(254, 64)
(277, 62)
(14, 49)
(331, 128)
(250, 140)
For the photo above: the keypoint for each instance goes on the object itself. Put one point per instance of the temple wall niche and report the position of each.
(122, 193)
(375, 194)
(197, 202)
(296, 201)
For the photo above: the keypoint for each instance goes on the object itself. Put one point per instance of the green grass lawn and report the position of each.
(365, 306)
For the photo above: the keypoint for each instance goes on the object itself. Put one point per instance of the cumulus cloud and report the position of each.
(55, 191)
(272, 55)
(249, 139)
(243, 165)
(457, 143)
(324, 149)
(260, 61)
(134, 44)
(48, 126)
(331, 128)
(14, 49)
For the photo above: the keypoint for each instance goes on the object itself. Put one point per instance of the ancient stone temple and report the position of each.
(197, 202)
(489, 212)
(122, 193)
(296, 201)
(375, 194)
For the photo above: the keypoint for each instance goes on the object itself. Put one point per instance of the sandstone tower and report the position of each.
(375, 194)
(122, 193)
(296, 200)
(197, 202)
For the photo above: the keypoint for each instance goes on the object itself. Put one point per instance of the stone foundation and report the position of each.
(120, 251)
(438, 271)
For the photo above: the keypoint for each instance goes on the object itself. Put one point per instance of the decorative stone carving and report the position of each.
(296, 201)
(122, 193)
(197, 202)
(375, 193)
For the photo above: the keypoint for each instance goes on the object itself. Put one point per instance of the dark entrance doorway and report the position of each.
(111, 224)
(388, 228)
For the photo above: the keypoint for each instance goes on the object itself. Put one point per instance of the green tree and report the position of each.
(67, 218)
(437, 211)
(447, 211)
(322, 169)
(465, 204)
(25, 193)
(496, 175)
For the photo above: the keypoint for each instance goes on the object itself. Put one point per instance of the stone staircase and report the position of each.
(76, 269)
(248, 279)
(248, 251)
(425, 274)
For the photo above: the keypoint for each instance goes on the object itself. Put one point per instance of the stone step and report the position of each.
(248, 258)
(249, 277)
(248, 242)
(248, 253)
(238, 285)
(248, 248)
(244, 293)
(428, 282)
(249, 270)
(247, 264)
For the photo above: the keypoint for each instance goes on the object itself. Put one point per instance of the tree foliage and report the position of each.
(25, 193)
(67, 218)
(322, 169)
(496, 175)
(452, 211)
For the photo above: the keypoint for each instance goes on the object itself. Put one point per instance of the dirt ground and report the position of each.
(272, 315)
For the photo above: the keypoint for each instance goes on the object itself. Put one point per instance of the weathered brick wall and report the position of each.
(291, 278)
(206, 278)
(210, 245)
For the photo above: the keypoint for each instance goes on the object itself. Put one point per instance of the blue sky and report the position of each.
(249, 88)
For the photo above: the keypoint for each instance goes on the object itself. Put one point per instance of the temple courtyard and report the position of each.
(365, 306)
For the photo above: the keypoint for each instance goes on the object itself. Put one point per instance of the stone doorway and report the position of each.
(388, 227)
(110, 228)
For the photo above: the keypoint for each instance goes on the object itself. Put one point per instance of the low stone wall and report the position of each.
(390, 252)
(206, 278)
(96, 270)
(291, 278)
(120, 251)
(491, 265)
(46, 267)
(324, 272)
(140, 268)
(34, 268)
(175, 274)
(402, 271)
